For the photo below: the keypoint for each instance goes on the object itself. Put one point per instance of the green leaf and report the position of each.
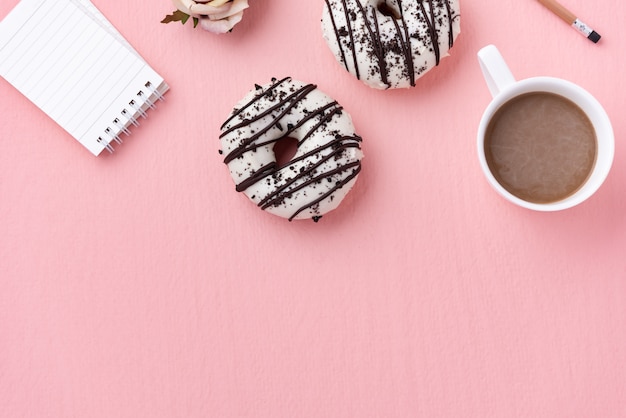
(195, 21)
(177, 16)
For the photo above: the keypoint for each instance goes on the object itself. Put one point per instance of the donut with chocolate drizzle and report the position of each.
(390, 43)
(327, 161)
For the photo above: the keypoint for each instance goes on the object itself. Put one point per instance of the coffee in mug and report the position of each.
(544, 143)
(541, 147)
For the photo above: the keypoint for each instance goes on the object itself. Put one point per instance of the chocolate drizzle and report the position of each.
(268, 91)
(405, 42)
(432, 31)
(450, 20)
(378, 47)
(319, 167)
(248, 144)
(332, 20)
(369, 36)
(351, 34)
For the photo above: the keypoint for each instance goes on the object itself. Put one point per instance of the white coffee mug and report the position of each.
(504, 87)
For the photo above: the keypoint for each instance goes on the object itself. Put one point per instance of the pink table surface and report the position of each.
(141, 285)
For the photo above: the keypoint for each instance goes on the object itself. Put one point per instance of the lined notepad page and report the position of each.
(69, 60)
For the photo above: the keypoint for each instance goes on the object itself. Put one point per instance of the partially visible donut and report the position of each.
(328, 157)
(390, 43)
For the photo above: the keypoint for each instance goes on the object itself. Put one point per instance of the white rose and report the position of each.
(217, 16)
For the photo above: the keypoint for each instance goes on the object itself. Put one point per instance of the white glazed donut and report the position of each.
(390, 43)
(327, 161)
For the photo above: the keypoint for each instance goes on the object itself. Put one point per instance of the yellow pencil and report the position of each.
(571, 19)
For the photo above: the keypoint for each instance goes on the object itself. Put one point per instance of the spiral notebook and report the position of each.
(70, 61)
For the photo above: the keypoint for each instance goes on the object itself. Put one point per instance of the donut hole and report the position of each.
(389, 10)
(284, 150)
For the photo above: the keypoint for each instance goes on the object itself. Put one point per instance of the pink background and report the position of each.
(142, 285)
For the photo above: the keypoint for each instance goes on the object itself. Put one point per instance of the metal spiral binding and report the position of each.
(154, 91)
(137, 108)
(121, 126)
(130, 116)
(146, 99)
(113, 136)
(106, 145)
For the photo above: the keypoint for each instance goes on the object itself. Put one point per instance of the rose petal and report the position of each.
(184, 5)
(236, 18)
(218, 10)
(208, 9)
(236, 7)
(216, 26)
(218, 3)
(217, 16)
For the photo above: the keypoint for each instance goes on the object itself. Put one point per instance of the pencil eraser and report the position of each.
(594, 37)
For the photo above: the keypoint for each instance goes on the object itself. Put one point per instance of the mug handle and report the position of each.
(496, 72)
